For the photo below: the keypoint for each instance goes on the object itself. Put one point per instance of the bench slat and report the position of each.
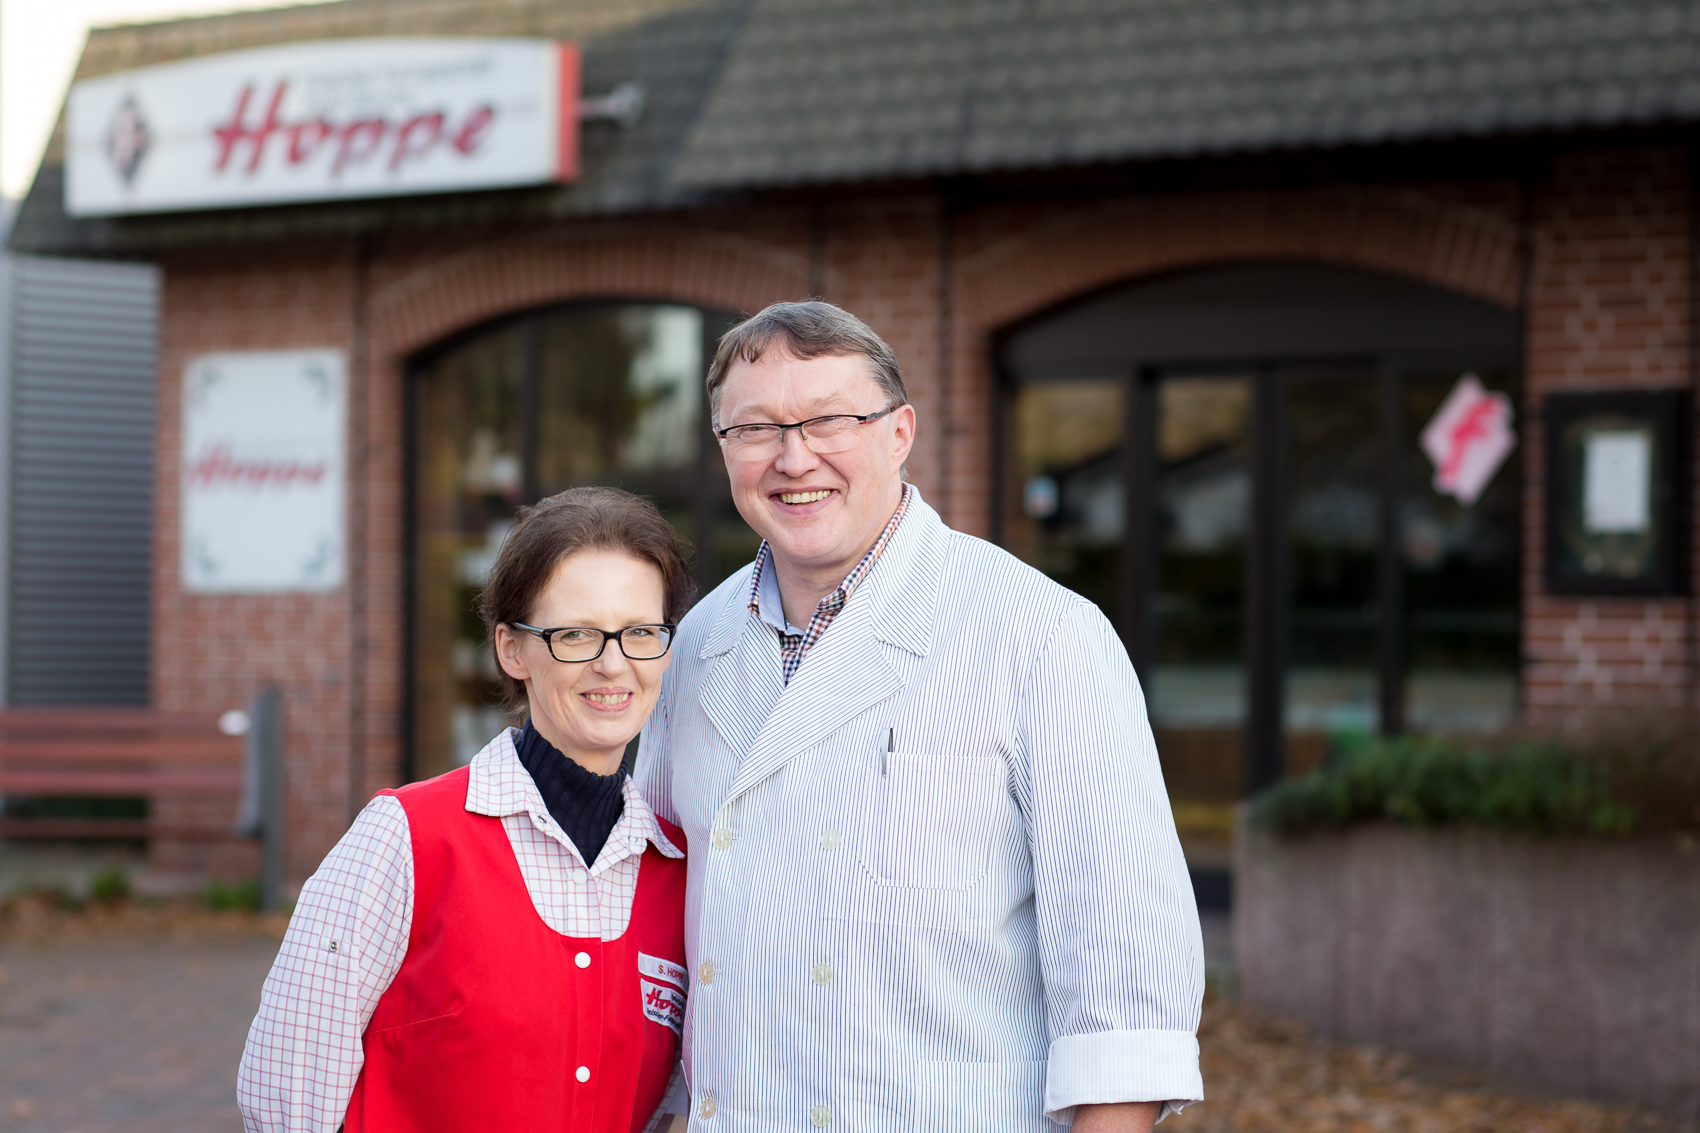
(128, 751)
(115, 783)
(109, 828)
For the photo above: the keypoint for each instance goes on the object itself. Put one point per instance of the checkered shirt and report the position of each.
(348, 935)
(793, 647)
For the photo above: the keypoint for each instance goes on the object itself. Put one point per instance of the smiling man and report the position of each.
(934, 880)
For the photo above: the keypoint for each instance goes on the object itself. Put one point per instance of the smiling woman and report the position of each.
(433, 973)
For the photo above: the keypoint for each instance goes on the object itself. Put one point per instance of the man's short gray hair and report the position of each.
(812, 328)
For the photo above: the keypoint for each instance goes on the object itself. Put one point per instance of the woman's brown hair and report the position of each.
(576, 520)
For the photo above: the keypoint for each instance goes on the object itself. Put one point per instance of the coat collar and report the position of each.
(849, 671)
(499, 785)
(901, 593)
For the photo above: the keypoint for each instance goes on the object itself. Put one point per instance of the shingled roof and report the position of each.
(755, 94)
(820, 90)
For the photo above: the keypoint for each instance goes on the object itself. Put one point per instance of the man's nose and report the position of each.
(795, 455)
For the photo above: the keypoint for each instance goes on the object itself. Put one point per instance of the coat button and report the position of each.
(820, 1117)
(822, 974)
(705, 973)
(582, 959)
(583, 1074)
(722, 838)
(706, 1109)
(831, 840)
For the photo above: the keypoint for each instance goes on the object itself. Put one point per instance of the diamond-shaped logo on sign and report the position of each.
(1468, 438)
(128, 139)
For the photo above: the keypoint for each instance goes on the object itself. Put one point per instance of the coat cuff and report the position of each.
(1122, 1066)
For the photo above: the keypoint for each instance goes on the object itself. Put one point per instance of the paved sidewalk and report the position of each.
(115, 1033)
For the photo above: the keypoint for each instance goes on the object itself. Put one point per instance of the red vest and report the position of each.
(494, 1020)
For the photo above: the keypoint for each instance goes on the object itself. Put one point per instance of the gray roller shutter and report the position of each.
(83, 355)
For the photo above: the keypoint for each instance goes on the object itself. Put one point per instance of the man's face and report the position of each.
(818, 511)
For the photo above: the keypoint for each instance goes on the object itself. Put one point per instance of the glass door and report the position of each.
(1461, 566)
(1333, 477)
(592, 394)
(1195, 668)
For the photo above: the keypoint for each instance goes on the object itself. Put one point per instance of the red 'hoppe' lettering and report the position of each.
(354, 142)
(219, 468)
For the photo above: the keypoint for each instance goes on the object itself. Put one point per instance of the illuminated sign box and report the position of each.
(1616, 502)
(328, 120)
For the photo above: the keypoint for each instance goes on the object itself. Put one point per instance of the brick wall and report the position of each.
(1609, 305)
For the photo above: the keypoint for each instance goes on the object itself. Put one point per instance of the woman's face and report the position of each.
(590, 710)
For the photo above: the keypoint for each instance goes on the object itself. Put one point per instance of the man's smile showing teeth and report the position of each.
(611, 699)
(803, 497)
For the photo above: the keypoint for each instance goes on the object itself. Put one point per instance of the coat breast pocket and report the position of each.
(932, 820)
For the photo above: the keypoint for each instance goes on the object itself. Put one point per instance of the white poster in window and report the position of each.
(262, 481)
(1616, 482)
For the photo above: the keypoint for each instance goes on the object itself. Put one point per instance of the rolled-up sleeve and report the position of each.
(1119, 943)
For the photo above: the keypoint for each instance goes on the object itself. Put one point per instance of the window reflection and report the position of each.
(1069, 505)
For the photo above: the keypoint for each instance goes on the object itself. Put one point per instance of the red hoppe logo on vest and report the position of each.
(663, 1004)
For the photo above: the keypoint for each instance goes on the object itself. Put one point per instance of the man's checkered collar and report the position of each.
(836, 600)
(500, 785)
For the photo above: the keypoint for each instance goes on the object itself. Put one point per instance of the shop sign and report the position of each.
(1468, 439)
(326, 120)
(262, 478)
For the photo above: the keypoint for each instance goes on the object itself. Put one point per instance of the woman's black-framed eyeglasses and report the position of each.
(578, 644)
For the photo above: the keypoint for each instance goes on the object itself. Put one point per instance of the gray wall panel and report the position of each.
(83, 357)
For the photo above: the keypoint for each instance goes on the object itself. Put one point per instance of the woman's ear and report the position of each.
(509, 654)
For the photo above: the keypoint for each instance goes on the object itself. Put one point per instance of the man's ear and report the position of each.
(903, 432)
(509, 655)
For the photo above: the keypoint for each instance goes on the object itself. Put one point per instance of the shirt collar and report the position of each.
(499, 785)
(765, 602)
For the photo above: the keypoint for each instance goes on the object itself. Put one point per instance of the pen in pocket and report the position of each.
(890, 746)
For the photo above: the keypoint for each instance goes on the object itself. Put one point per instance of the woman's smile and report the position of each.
(609, 700)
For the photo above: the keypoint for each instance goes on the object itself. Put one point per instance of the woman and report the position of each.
(502, 947)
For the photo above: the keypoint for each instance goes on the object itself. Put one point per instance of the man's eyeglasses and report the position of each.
(577, 644)
(835, 432)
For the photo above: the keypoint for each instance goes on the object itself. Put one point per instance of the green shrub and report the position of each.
(110, 886)
(243, 895)
(1534, 786)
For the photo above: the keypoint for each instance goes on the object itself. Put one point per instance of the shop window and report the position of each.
(590, 394)
(1229, 462)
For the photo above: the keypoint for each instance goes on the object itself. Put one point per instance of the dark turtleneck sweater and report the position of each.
(585, 804)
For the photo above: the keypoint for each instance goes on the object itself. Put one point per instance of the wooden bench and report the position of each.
(88, 753)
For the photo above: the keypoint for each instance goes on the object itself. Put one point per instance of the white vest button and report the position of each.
(582, 959)
(583, 1074)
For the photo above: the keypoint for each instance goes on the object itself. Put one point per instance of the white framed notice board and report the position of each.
(263, 484)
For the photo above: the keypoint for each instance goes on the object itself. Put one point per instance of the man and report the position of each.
(934, 881)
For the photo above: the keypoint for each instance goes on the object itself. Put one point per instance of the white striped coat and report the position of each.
(991, 924)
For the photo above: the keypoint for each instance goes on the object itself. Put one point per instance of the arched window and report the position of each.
(1227, 461)
(603, 393)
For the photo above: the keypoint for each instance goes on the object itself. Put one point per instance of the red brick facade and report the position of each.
(1606, 274)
